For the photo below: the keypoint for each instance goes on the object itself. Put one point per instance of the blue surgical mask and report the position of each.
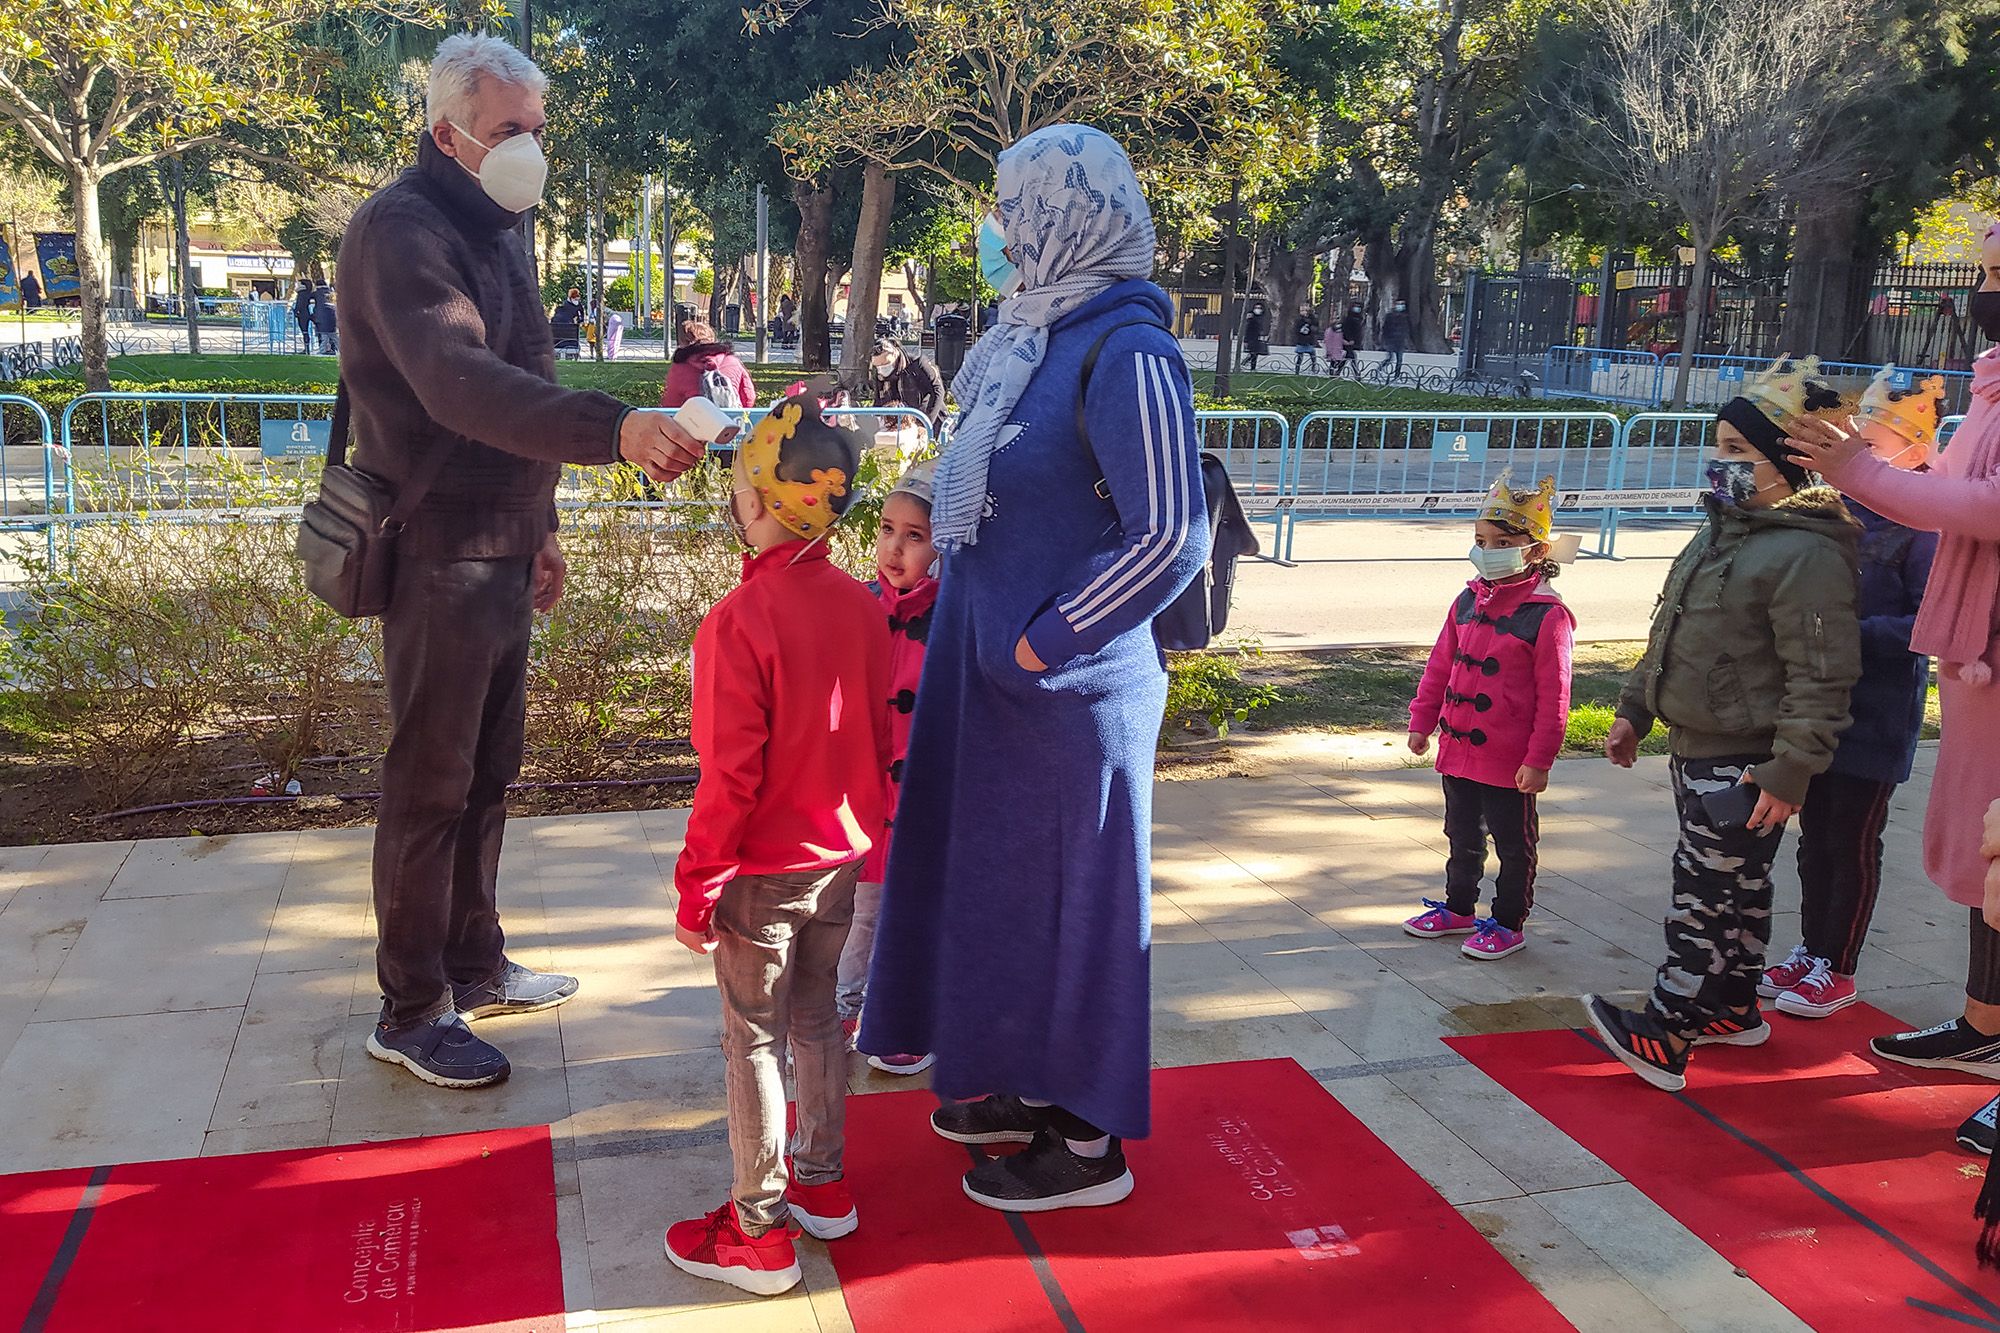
(1002, 274)
(1495, 563)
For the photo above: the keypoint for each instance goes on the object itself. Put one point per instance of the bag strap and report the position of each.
(1103, 487)
(414, 488)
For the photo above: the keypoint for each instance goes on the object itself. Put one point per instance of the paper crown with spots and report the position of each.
(1912, 413)
(1532, 512)
(1790, 390)
(801, 466)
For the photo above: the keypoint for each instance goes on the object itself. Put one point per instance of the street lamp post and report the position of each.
(1521, 256)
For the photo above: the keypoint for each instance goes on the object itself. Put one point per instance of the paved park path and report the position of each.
(204, 996)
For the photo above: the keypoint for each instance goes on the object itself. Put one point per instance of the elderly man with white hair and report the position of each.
(448, 371)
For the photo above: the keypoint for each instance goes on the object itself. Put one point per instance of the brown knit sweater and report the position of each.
(444, 344)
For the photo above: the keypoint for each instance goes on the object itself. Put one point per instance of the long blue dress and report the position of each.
(1015, 927)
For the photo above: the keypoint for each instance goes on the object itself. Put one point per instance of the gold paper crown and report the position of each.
(1912, 413)
(1533, 512)
(806, 508)
(1790, 390)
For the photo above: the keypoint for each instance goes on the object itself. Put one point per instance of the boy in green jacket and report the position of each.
(1754, 651)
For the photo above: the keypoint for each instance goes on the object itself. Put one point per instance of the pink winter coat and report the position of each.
(909, 612)
(692, 361)
(1496, 689)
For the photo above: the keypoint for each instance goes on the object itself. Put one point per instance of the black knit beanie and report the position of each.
(1767, 437)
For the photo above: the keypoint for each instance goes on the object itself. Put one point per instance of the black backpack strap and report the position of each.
(1083, 388)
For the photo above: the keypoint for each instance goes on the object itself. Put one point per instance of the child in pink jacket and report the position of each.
(1496, 691)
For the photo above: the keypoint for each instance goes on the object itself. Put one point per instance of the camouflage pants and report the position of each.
(1720, 921)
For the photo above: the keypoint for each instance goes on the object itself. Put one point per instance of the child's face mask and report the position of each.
(1734, 480)
(1893, 448)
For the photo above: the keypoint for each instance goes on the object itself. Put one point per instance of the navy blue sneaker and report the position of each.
(517, 990)
(442, 1051)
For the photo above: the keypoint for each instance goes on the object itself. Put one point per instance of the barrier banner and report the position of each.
(10, 283)
(1453, 501)
(60, 275)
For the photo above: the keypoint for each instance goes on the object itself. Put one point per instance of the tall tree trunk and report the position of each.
(1340, 272)
(1697, 301)
(815, 205)
(864, 299)
(85, 215)
(1289, 275)
(1826, 290)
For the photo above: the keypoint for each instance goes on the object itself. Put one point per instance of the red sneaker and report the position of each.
(715, 1247)
(824, 1212)
(1822, 991)
(850, 1028)
(1777, 980)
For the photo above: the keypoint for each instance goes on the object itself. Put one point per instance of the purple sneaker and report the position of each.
(904, 1065)
(1439, 920)
(1492, 940)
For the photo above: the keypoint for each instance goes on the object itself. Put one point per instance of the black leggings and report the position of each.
(1982, 967)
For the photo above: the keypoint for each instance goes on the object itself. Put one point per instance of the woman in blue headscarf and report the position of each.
(1014, 933)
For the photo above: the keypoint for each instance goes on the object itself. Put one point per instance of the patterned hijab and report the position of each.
(1076, 223)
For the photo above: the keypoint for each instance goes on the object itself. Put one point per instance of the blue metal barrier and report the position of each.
(1948, 428)
(28, 490)
(1714, 380)
(1417, 464)
(1602, 374)
(1661, 460)
(143, 451)
(1256, 449)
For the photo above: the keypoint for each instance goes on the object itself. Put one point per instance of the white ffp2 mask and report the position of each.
(513, 173)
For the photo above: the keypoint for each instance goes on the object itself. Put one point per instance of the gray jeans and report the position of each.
(854, 959)
(777, 957)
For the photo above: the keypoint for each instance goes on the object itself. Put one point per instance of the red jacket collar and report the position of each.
(782, 556)
(1486, 594)
(907, 601)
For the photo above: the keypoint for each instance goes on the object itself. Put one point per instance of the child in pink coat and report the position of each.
(1496, 691)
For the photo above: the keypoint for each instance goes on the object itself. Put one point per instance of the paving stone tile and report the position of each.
(265, 1138)
(1670, 1266)
(323, 909)
(162, 955)
(1584, 1288)
(285, 1066)
(1218, 1036)
(226, 863)
(1447, 1162)
(1512, 1137)
(81, 866)
(38, 928)
(88, 1092)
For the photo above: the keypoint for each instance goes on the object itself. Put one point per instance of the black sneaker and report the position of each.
(998, 1119)
(517, 990)
(1748, 1029)
(1981, 1129)
(442, 1051)
(1640, 1041)
(1049, 1176)
(1954, 1045)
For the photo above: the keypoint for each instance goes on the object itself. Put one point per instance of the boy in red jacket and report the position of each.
(791, 686)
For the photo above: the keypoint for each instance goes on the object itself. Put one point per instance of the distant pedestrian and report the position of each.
(31, 291)
(1305, 342)
(566, 323)
(1256, 335)
(1396, 336)
(903, 380)
(325, 322)
(302, 312)
(1351, 327)
(1335, 347)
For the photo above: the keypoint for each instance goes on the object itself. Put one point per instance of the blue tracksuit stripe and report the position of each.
(1163, 433)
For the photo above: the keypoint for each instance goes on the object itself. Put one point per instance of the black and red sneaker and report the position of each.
(1640, 1041)
(1745, 1029)
(1049, 1176)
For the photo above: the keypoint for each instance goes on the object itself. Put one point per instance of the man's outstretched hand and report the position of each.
(658, 445)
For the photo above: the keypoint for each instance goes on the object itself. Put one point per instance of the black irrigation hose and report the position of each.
(213, 802)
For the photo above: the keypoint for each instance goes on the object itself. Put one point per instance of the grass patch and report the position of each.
(1370, 690)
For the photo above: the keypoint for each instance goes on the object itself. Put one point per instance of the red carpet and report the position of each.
(1827, 1176)
(416, 1235)
(1261, 1204)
